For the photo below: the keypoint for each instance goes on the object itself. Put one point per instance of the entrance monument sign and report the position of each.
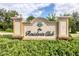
(41, 28)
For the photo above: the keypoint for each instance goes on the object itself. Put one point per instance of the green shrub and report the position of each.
(9, 30)
(9, 47)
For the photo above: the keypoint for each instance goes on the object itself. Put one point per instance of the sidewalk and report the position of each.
(75, 34)
(6, 33)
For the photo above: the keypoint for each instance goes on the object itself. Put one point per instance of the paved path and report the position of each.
(6, 33)
(75, 34)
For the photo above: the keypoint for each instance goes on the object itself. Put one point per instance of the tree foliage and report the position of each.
(72, 25)
(5, 18)
(77, 25)
(71, 21)
(75, 15)
(30, 18)
(51, 17)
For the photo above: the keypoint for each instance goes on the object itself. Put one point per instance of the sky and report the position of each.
(40, 9)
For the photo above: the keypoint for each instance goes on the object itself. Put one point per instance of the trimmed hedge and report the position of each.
(8, 30)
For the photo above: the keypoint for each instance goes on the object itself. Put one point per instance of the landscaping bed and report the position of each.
(14, 47)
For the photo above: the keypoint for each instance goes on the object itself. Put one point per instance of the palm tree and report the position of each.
(51, 17)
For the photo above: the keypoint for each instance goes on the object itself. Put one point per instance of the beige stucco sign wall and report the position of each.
(41, 28)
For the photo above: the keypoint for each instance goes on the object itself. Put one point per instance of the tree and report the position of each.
(77, 25)
(71, 21)
(72, 25)
(51, 17)
(8, 19)
(30, 18)
(75, 15)
(5, 18)
(66, 14)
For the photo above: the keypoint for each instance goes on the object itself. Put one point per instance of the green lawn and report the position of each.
(14, 47)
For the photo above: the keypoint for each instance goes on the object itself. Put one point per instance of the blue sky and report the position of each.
(48, 10)
(40, 9)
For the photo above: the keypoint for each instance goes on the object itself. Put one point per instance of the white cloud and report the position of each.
(25, 9)
(66, 8)
(33, 8)
(37, 13)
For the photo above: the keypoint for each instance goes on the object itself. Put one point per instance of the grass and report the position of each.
(15, 47)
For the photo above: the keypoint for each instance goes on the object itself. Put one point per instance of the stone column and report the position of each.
(17, 24)
(63, 27)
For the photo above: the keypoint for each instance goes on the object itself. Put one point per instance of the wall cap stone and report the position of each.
(63, 17)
